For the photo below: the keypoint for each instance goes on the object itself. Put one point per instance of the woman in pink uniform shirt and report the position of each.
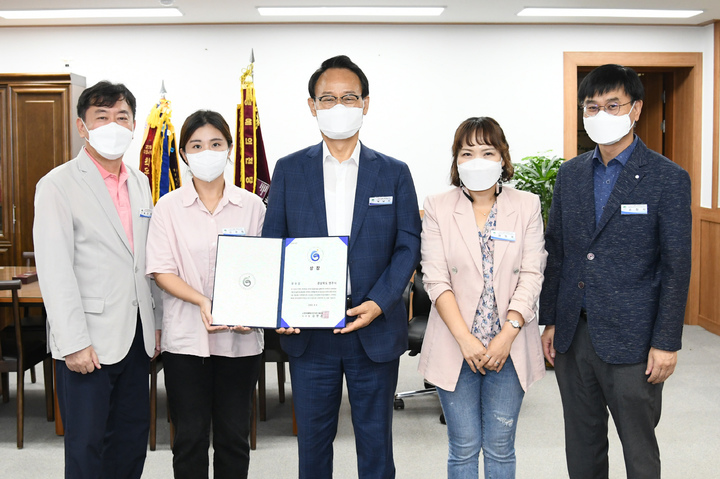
(483, 259)
(210, 371)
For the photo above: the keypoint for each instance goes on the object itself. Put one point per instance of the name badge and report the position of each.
(234, 231)
(145, 212)
(381, 200)
(633, 209)
(503, 235)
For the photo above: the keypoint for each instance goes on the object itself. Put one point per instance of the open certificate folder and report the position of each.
(273, 282)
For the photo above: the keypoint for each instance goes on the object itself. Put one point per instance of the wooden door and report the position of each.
(5, 181)
(651, 127)
(39, 121)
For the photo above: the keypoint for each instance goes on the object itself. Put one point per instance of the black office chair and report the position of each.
(416, 333)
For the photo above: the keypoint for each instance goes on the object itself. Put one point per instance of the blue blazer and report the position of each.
(634, 270)
(384, 246)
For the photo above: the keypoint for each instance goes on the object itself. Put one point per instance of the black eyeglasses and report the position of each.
(329, 101)
(613, 108)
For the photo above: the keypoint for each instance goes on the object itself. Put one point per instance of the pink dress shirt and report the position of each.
(182, 240)
(118, 189)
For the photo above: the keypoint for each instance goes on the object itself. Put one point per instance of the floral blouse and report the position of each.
(487, 320)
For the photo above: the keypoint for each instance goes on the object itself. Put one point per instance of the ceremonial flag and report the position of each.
(158, 157)
(251, 169)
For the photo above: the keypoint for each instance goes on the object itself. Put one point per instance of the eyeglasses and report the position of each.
(611, 108)
(329, 101)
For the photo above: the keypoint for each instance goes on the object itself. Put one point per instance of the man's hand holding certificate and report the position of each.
(365, 314)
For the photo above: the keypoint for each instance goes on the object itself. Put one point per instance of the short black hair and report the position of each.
(340, 61)
(105, 94)
(610, 77)
(201, 118)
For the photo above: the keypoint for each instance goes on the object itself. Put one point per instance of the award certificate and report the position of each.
(280, 282)
(314, 282)
(247, 278)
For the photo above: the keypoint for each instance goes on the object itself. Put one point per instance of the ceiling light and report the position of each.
(90, 13)
(607, 12)
(351, 11)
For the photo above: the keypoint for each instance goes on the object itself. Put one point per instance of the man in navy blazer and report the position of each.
(336, 188)
(616, 282)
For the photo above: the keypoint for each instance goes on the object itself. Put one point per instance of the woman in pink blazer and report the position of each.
(483, 258)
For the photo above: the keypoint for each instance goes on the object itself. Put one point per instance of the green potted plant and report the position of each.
(537, 174)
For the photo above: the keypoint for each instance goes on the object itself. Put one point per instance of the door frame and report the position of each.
(685, 113)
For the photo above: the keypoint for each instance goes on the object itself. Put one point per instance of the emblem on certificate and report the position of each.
(274, 282)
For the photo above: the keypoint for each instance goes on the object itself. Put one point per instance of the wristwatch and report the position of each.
(515, 324)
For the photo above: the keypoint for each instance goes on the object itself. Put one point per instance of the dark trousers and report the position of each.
(317, 386)
(106, 415)
(589, 387)
(204, 391)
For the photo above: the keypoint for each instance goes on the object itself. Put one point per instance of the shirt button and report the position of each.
(134, 303)
(607, 182)
(590, 256)
(581, 285)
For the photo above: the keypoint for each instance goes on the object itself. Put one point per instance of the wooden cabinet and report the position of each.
(37, 133)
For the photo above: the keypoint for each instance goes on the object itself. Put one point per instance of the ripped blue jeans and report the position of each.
(482, 414)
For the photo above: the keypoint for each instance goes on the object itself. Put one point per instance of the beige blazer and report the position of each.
(92, 283)
(452, 260)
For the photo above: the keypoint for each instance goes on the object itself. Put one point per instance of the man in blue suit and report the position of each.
(335, 188)
(616, 282)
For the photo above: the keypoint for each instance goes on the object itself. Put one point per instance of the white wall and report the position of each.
(424, 80)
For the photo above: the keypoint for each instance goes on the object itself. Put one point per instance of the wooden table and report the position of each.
(29, 295)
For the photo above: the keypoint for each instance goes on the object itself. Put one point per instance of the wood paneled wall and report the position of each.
(708, 251)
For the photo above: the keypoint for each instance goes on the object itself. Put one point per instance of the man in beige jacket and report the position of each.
(91, 220)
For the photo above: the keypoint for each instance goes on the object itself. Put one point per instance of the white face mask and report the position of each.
(208, 164)
(479, 174)
(607, 129)
(339, 122)
(111, 140)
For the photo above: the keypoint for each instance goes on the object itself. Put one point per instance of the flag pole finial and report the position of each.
(163, 91)
(252, 55)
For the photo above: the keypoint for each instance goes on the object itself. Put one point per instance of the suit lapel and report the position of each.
(465, 220)
(314, 181)
(631, 174)
(136, 204)
(505, 221)
(587, 193)
(91, 176)
(367, 175)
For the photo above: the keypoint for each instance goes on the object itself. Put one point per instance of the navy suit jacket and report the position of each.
(384, 246)
(634, 270)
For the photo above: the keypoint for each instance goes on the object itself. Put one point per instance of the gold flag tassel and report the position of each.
(158, 156)
(251, 171)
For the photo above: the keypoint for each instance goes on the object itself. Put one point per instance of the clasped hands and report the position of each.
(480, 358)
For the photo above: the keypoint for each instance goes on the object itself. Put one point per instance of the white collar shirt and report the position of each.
(340, 180)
